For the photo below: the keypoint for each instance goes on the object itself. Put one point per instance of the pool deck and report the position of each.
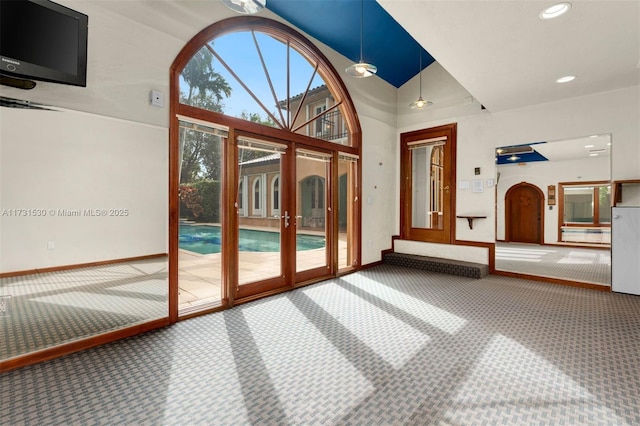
(199, 275)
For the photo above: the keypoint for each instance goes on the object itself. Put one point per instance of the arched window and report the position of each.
(265, 91)
(275, 195)
(240, 201)
(274, 79)
(257, 197)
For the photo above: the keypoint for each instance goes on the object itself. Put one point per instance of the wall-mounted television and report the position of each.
(42, 40)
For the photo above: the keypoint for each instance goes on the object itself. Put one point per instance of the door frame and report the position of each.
(447, 234)
(331, 221)
(507, 210)
(288, 186)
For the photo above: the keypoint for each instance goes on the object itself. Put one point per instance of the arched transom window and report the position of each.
(260, 73)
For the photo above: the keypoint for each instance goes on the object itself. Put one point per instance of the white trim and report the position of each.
(275, 211)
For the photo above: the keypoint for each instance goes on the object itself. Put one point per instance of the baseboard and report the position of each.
(559, 281)
(80, 265)
(79, 345)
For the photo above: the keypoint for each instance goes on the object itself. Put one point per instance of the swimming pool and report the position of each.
(205, 239)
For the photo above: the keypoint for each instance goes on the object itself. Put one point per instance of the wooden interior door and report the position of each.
(524, 221)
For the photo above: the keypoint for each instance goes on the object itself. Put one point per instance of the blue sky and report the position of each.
(239, 52)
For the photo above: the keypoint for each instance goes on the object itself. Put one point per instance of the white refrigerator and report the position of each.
(625, 250)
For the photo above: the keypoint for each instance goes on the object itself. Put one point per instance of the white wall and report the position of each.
(542, 174)
(128, 57)
(54, 163)
(480, 132)
(108, 149)
(125, 62)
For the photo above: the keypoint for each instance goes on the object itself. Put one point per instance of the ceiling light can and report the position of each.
(556, 10)
(566, 79)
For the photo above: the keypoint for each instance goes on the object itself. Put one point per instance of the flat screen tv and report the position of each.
(42, 40)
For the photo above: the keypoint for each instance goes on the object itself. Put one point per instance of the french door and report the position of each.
(283, 215)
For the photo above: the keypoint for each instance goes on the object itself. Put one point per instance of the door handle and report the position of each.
(286, 218)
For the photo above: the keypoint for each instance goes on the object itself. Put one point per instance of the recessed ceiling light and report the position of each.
(555, 11)
(566, 79)
(589, 146)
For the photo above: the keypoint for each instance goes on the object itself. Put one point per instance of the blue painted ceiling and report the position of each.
(337, 24)
(515, 154)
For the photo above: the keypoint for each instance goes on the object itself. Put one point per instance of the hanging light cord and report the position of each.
(420, 69)
(361, 30)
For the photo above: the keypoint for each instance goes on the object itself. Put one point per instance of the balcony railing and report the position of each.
(330, 127)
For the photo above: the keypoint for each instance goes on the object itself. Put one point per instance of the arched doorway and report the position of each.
(524, 219)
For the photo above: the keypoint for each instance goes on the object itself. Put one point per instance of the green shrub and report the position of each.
(200, 201)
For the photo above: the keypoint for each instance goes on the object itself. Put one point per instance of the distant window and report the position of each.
(587, 204)
(257, 195)
(275, 195)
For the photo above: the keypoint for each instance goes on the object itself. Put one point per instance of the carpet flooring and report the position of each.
(590, 265)
(48, 309)
(384, 346)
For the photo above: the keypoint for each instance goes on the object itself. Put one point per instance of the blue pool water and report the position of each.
(205, 239)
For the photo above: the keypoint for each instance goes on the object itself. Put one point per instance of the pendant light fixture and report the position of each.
(246, 7)
(420, 103)
(361, 69)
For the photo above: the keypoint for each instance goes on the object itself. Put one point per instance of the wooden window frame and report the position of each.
(596, 207)
(407, 232)
(338, 92)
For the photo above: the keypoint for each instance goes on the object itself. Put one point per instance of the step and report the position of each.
(436, 264)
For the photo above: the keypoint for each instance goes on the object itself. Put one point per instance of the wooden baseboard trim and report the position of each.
(559, 281)
(79, 345)
(563, 244)
(490, 246)
(371, 265)
(80, 265)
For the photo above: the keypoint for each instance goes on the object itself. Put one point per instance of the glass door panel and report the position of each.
(263, 221)
(347, 210)
(427, 180)
(313, 210)
(200, 238)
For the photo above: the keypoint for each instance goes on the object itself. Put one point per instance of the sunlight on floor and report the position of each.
(512, 376)
(579, 258)
(337, 384)
(521, 255)
(123, 305)
(391, 339)
(439, 318)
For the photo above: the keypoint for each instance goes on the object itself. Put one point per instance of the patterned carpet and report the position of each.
(385, 346)
(59, 307)
(590, 265)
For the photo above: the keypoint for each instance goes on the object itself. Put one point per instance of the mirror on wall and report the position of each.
(553, 209)
(83, 221)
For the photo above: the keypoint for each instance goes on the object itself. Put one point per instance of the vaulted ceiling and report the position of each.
(352, 27)
(499, 51)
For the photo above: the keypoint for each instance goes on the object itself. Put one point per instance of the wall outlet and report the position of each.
(51, 245)
(157, 98)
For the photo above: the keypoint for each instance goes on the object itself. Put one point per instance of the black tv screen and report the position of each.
(42, 40)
